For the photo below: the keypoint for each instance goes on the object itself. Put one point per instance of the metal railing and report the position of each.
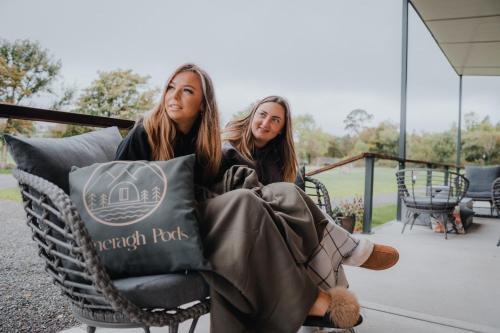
(37, 114)
(369, 159)
(50, 116)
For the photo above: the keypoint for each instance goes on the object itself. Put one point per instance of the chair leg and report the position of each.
(445, 224)
(90, 329)
(408, 214)
(193, 325)
(414, 219)
(498, 244)
(404, 226)
(173, 328)
(146, 329)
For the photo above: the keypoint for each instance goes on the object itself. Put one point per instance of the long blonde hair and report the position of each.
(162, 132)
(239, 134)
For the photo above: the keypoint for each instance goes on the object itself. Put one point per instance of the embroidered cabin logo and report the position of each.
(123, 193)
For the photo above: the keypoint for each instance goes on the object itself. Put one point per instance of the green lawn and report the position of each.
(10, 194)
(5, 171)
(346, 182)
(383, 214)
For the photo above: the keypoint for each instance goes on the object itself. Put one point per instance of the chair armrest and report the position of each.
(321, 191)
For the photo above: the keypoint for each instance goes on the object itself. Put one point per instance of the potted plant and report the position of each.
(349, 214)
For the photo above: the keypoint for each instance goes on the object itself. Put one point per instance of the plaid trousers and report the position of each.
(325, 264)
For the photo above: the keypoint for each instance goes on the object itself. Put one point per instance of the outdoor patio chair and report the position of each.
(481, 179)
(495, 197)
(72, 262)
(96, 300)
(429, 191)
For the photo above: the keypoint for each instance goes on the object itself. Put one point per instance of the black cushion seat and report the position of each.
(165, 291)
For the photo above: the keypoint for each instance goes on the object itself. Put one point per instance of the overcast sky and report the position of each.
(327, 57)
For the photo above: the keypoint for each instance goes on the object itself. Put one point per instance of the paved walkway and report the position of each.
(7, 181)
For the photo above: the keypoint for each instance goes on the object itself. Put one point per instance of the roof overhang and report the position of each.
(467, 31)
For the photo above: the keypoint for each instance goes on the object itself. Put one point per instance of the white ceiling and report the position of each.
(467, 31)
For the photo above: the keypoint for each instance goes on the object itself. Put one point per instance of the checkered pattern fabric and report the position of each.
(325, 265)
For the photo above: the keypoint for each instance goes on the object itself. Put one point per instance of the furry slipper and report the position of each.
(344, 308)
(343, 311)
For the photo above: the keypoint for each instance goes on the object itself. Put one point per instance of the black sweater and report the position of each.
(136, 147)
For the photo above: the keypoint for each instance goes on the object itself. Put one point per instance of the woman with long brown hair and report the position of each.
(263, 139)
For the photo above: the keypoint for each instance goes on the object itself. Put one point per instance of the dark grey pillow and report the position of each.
(141, 215)
(481, 178)
(52, 159)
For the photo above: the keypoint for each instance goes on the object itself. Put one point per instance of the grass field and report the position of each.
(346, 182)
(10, 194)
(383, 214)
(5, 171)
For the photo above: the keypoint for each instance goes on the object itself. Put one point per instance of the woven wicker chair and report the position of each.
(97, 301)
(429, 191)
(495, 198)
(72, 262)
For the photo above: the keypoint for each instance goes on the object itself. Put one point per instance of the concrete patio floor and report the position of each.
(438, 286)
(457, 280)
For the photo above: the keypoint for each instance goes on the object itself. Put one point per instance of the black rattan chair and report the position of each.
(429, 191)
(495, 198)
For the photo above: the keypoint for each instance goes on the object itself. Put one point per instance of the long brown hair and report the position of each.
(162, 132)
(239, 134)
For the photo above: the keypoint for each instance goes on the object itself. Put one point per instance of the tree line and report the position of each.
(480, 140)
(27, 70)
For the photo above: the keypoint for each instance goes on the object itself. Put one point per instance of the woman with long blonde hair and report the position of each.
(263, 140)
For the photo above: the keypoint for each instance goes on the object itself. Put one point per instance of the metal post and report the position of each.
(429, 179)
(404, 85)
(459, 130)
(368, 198)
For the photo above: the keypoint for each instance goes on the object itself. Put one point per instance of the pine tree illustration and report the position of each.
(144, 195)
(92, 199)
(156, 194)
(104, 200)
